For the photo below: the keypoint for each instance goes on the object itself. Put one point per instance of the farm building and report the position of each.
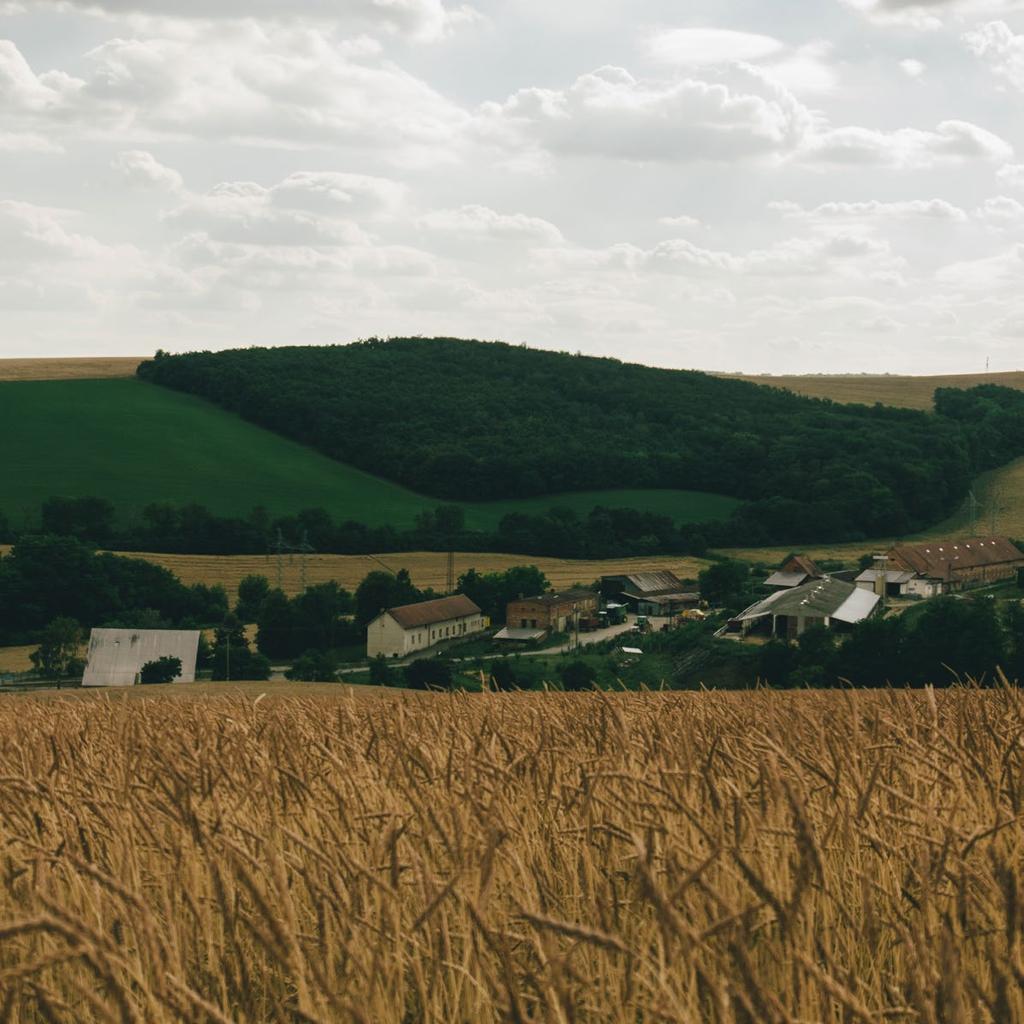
(650, 593)
(948, 565)
(794, 572)
(556, 611)
(116, 656)
(897, 583)
(397, 632)
(835, 604)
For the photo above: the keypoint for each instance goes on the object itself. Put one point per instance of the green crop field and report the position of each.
(135, 444)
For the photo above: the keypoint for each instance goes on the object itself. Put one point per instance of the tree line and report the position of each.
(193, 529)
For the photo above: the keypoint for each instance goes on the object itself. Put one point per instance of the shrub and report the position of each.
(163, 670)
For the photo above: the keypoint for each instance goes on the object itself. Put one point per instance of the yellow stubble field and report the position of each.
(82, 368)
(427, 568)
(908, 392)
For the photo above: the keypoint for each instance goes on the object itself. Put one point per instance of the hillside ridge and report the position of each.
(459, 419)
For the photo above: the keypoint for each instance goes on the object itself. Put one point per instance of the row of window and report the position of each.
(460, 629)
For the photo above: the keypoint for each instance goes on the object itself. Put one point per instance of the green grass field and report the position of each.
(134, 444)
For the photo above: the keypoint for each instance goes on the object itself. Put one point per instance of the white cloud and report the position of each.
(996, 43)
(951, 141)
(988, 273)
(610, 113)
(873, 209)
(842, 256)
(27, 142)
(1001, 212)
(809, 69)
(912, 68)
(339, 193)
(141, 169)
(1012, 174)
(245, 212)
(694, 47)
(422, 19)
(30, 233)
(246, 82)
(23, 92)
(481, 221)
(929, 14)
(681, 221)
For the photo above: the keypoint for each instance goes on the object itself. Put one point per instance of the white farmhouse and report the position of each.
(397, 632)
(116, 656)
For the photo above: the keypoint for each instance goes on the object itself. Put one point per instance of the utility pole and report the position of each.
(227, 656)
(995, 507)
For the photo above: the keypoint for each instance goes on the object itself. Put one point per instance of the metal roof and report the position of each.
(560, 597)
(116, 656)
(785, 579)
(891, 576)
(508, 633)
(819, 599)
(857, 607)
(428, 613)
(654, 583)
(939, 559)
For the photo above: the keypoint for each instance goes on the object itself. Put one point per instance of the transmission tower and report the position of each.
(281, 547)
(450, 578)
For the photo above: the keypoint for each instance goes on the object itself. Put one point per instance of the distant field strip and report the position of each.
(84, 368)
(427, 568)
(907, 392)
(136, 444)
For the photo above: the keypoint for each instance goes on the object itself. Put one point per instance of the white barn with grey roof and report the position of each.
(116, 656)
(833, 603)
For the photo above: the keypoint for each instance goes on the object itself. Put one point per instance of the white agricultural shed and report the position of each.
(414, 627)
(835, 604)
(116, 656)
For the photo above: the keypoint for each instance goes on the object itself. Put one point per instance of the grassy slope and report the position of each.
(134, 444)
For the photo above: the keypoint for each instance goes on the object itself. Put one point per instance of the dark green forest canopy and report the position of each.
(472, 420)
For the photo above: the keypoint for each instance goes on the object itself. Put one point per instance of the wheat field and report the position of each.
(699, 858)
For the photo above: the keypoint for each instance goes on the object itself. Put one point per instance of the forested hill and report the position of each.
(472, 420)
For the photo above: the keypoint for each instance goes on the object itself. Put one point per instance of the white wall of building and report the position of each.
(385, 636)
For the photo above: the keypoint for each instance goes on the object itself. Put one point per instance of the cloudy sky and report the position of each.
(783, 186)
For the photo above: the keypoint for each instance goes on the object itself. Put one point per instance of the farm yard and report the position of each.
(533, 857)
